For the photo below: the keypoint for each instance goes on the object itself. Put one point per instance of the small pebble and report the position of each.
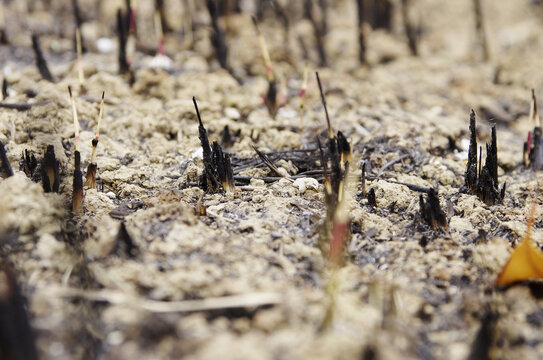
(306, 183)
(232, 113)
(161, 62)
(105, 45)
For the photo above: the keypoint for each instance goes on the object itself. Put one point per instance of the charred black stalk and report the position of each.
(323, 4)
(344, 147)
(483, 183)
(3, 37)
(122, 30)
(410, 29)
(40, 60)
(303, 48)
(223, 167)
(363, 179)
(77, 194)
(202, 134)
(323, 99)
(78, 23)
(480, 30)
(126, 27)
(536, 154)
(28, 163)
(4, 89)
(336, 174)
(218, 39)
(431, 211)
(334, 156)
(533, 147)
(382, 14)
(325, 172)
(492, 156)
(124, 245)
(481, 349)
(471, 169)
(17, 340)
(372, 201)
(480, 162)
(270, 100)
(283, 17)
(3, 33)
(226, 137)
(217, 166)
(361, 32)
(50, 170)
(487, 185)
(159, 6)
(6, 166)
(260, 4)
(90, 179)
(318, 29)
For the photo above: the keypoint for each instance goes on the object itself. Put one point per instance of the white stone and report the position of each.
(306, 183)
(198, 154)
(161, 62)
(105, 45)
(232, 113)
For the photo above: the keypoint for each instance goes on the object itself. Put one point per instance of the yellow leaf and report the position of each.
(526, 261)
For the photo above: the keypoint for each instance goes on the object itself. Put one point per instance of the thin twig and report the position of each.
(23, 106)
(216, 303)
(390, 163)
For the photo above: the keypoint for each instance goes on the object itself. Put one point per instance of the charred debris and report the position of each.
(483, 180)
(430, 208)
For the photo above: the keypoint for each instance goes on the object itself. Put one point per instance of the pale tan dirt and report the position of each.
(394, 296)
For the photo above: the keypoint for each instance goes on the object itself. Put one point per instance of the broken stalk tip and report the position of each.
(323, 99)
